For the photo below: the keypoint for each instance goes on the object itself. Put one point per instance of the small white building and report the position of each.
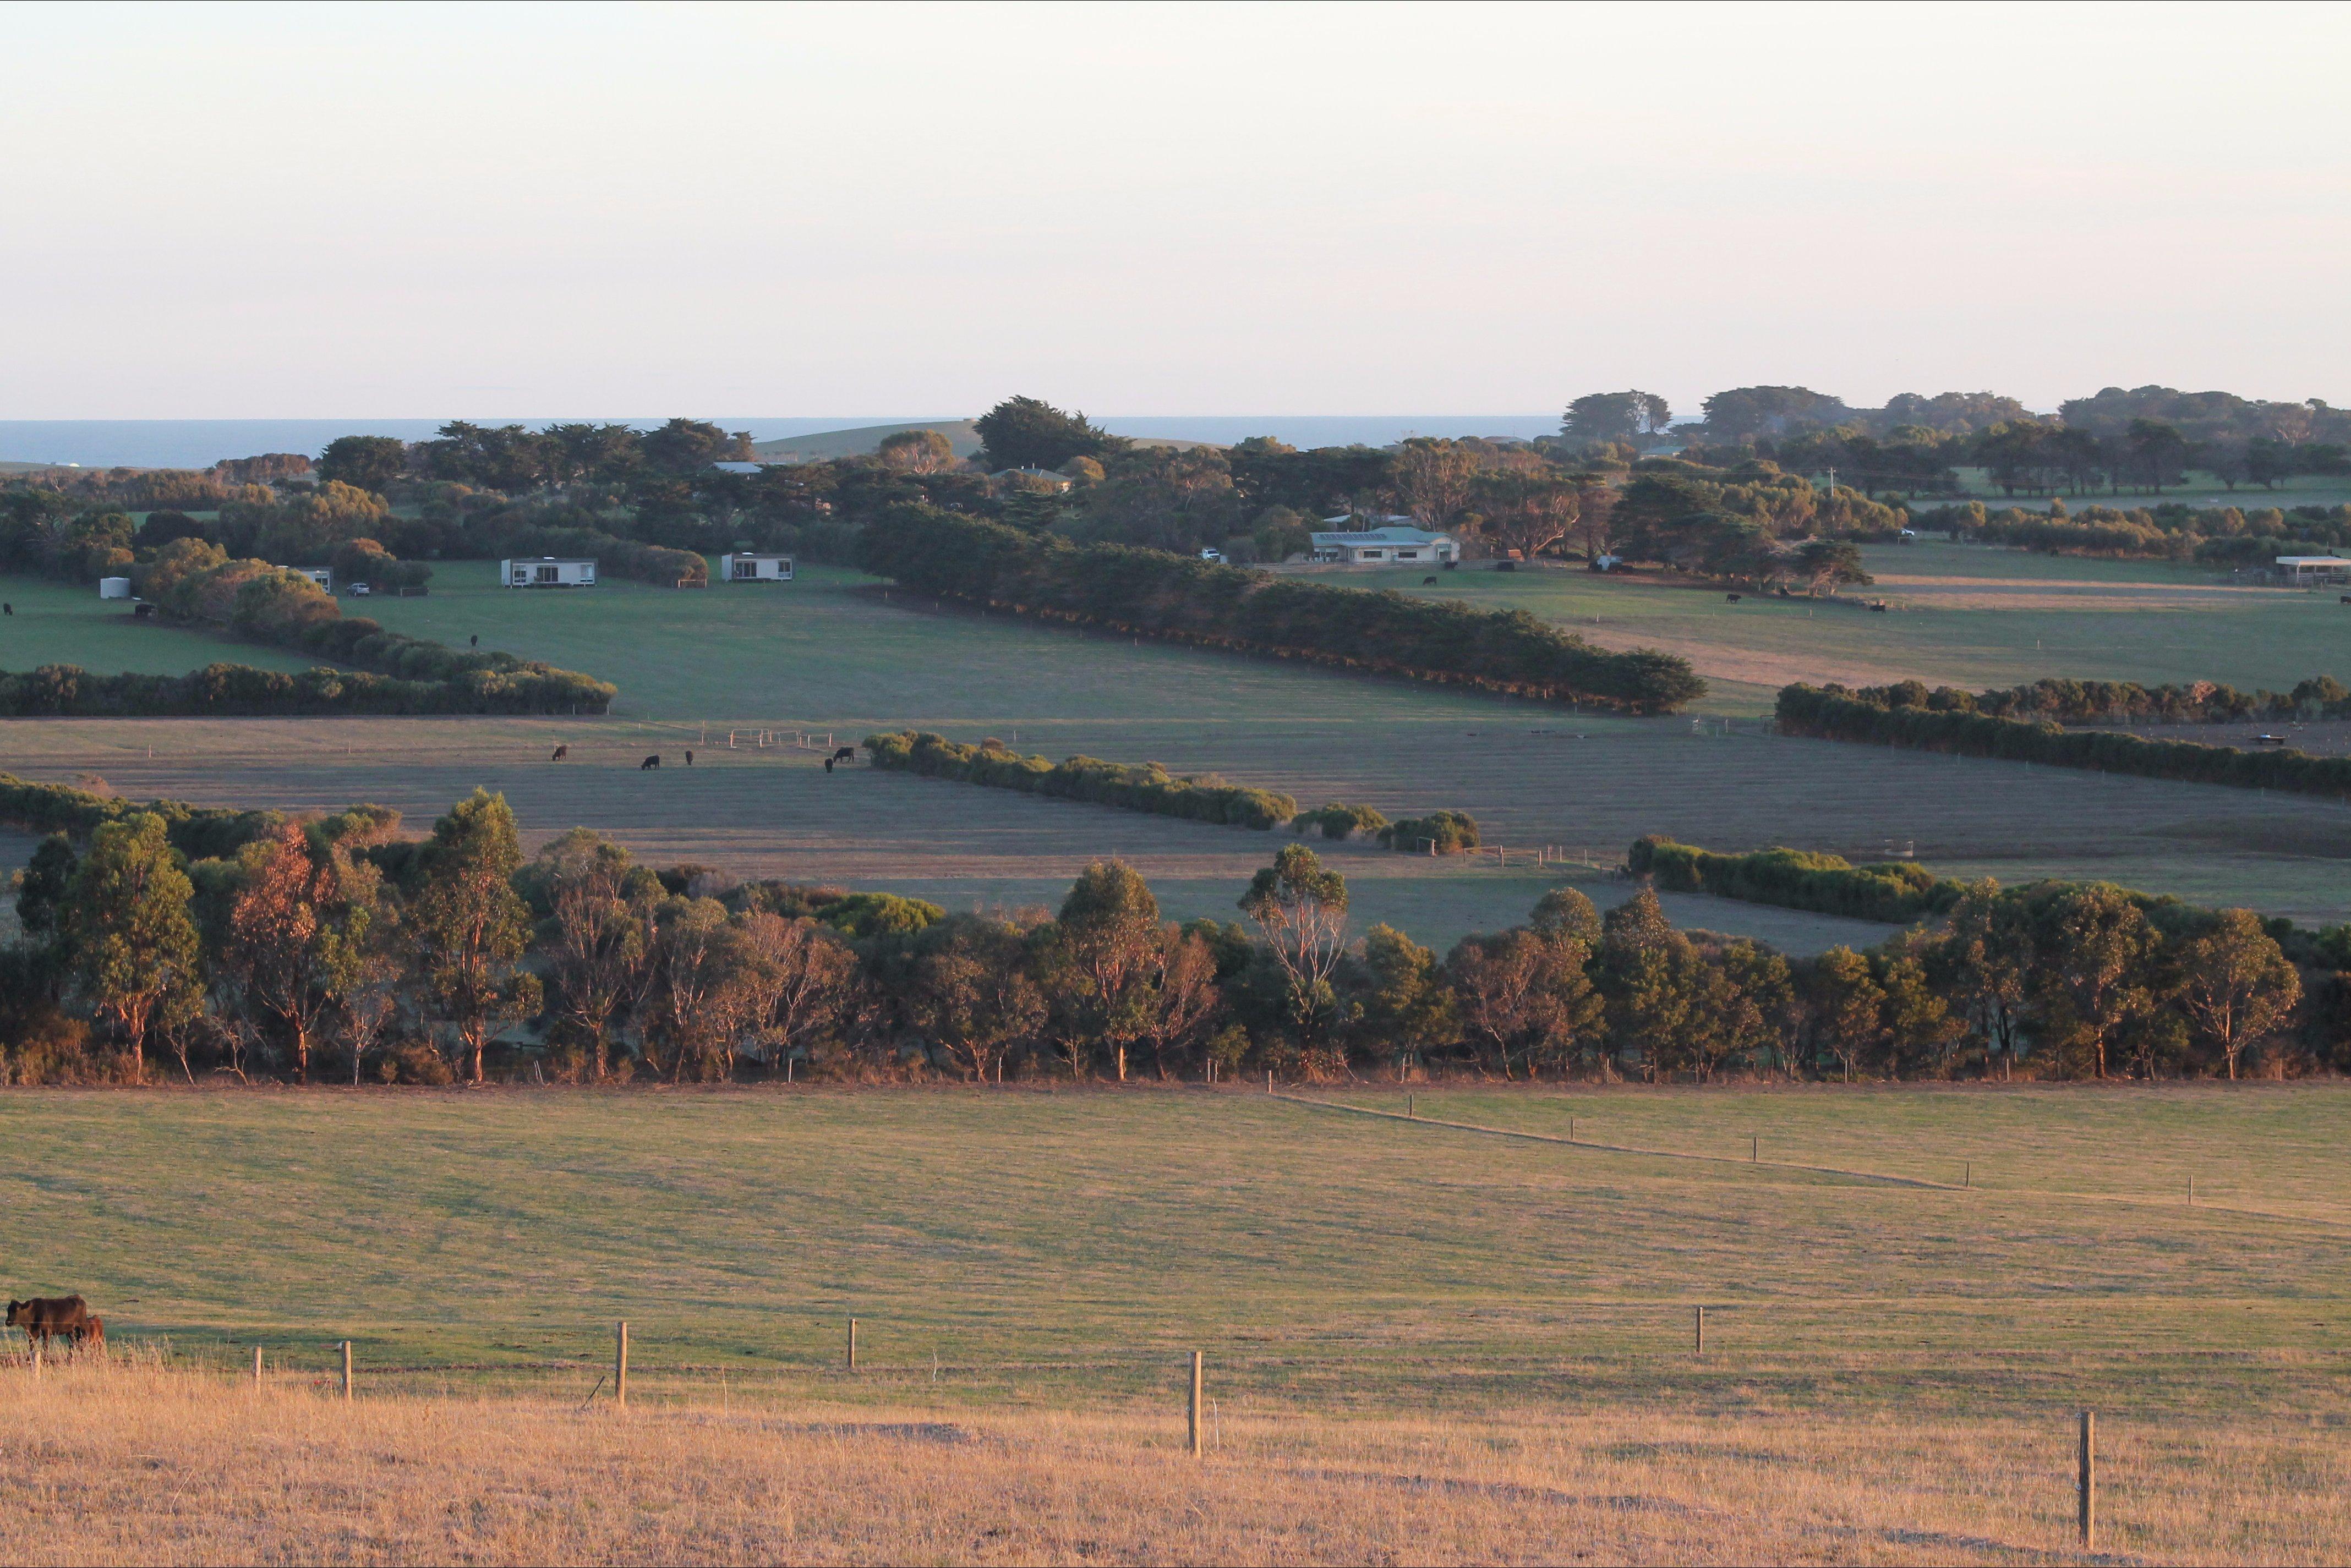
(322, 575)
(114, 588)
(749, 567)
(1392, 542)
(2301, 569)
(548, 572)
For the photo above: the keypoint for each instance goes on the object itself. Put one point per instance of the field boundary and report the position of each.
(1919, 1181)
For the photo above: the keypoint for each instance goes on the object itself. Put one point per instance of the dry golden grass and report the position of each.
(141, 1463)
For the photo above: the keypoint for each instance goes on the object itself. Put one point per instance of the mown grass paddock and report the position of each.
(1422, 1342)
(1964, 615)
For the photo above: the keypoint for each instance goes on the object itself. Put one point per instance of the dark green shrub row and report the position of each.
(198, 832)
(1833, 713)
(1452, 833)
(1153, 593)
(240, 690)
(1135, 787)
(1337, 819)
(2095, 701)
(1900, 892)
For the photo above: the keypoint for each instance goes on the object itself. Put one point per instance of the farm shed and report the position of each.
(548, 572)
(2301, 569)
(749, 567)
(114, 588)
(1377, 546)
(322, 575)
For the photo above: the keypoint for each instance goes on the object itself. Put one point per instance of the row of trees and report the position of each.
(2216, 535)
(1159, 594)
(1836, 713)
(335, 945)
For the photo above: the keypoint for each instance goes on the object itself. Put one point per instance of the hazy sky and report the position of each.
(339, 211)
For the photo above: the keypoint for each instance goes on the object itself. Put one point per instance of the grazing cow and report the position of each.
(846, 754)
(90, 1334)
(652, 762)
(475, 640)
(561, 753)
(828, 765)
(1429, 582)
(689, 758)
(7, 609)
(45, 1317)
(2346, 598)
(1879, 607)
(1733, 597)
(142, 612)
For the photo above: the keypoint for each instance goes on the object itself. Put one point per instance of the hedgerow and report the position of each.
(1146, 787)
(1900, 892)
(1152, 593)
(1834, 713)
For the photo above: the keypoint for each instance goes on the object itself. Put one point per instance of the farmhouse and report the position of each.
(1391, 541)
(747, 566)
(548, 572)
(2301, 569)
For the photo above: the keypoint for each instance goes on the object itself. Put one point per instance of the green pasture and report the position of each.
(1068, 1246)
(829, 648)
(1964, 615)
(60, 623)
(2198, 488)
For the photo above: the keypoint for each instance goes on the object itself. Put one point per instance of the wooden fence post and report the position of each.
(347, 1372)
(1701, 1331)
(852, 1344)
(1196, 1405)
(621, 1363)
(256, 1367)
(2086, 1482)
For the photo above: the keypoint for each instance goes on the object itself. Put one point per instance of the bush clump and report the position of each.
(1449, 832)
(1899, 892)
(1146, 787)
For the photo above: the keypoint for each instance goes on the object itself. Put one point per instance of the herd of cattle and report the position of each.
(844, 754)
(46, 1318)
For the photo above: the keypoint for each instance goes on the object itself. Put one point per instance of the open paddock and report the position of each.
(1413, 1331)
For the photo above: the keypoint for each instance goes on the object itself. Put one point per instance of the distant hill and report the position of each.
(864, 440)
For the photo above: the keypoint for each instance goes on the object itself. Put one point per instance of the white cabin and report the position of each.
(114, 588)
(547, 572)
(749, 567)
(322, 575)
(1379, 546)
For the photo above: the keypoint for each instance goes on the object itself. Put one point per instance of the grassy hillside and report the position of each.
(863, 441)
(1323, 1259)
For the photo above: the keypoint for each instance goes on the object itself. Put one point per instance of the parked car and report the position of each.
(357, 590)
(1212, 554)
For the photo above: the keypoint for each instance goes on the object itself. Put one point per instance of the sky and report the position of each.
(875, 212)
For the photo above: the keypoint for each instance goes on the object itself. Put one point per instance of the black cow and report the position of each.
(828, 765)
(45, 1317)
(689, 758)
(1733, 597)
(475, 640)
(561, 753)
(846, 754)
(1880, 608)
(1429, 582)
(7, 609)
(652, 762)
(142, 612)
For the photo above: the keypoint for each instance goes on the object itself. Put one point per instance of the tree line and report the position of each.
(336, 948)
(1158, 594)
(2213, 535)
(1150, 788)
(1906, 716)
(1898, 892)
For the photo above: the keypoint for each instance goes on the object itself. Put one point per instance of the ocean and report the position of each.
(200, 443)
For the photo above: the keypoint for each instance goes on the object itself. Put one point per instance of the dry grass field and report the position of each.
(140, 1465)
(1424, 1343)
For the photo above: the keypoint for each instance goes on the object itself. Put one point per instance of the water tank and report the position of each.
(114, 588)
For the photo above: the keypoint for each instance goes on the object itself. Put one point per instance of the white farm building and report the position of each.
(749, 567)
(1382, 545)
(547, 572)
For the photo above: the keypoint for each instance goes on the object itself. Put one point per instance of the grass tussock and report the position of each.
(138, 1462)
